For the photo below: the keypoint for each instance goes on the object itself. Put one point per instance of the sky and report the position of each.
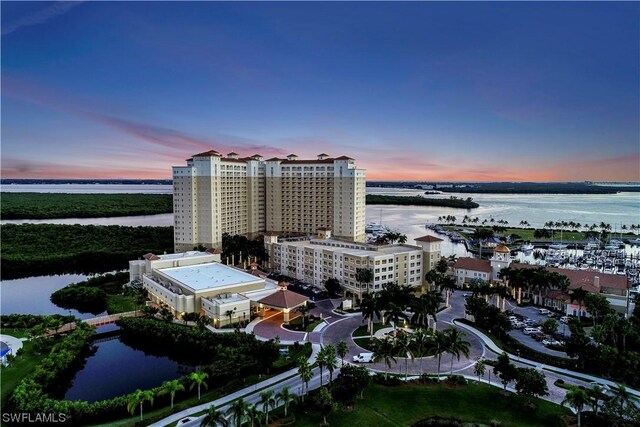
(435, 91)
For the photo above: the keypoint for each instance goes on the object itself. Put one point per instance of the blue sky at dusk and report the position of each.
(414, 91)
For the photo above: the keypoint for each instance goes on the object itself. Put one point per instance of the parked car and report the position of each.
(550, 341)
(564, 319)
(543, 311)
(517, 324)
(363, 358)
(529, 330)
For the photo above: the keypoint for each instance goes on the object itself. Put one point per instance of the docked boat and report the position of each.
(526, 247)
(557, 246)
(635, 242)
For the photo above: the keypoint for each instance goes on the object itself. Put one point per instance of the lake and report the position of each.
(31, 295)
(116, 369)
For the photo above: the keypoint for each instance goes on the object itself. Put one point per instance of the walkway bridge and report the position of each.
(97, 321)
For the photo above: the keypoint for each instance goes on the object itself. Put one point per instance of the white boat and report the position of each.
(557, 246)
(635, 241)
(526, 247)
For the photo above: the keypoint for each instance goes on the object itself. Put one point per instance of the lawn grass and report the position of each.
(19, 368)
(120, 303)
(362, 330)
(406, 404)
(15, 332)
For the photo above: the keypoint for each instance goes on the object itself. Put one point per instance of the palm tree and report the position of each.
(456, 345)
(229, 314)
(480, 368)
(202, 322)
(305, 372)
(267, 400)
(213, 418)
(342, 350)
(448, 283)
(330, 360)
(255, 415)
(622, 397)
(384, 351)
(425, 306)
(197, 378)
(404, 347)
(238, 411)
(501, 291)
(395, 313)
(577, 399)
(595, 393)
(370, 306)
(363, 276)
(286, 397)
(304, 310)
(439, 341)
(137, 399)
(420, 342)
(320, 361)
(171, 387)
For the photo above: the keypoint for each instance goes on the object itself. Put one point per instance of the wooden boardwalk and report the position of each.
(97, 321)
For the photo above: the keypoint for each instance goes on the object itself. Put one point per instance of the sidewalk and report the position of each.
(233, 396)
(585, 377)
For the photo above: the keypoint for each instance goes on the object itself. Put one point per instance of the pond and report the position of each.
(31, 295)
(116, 369)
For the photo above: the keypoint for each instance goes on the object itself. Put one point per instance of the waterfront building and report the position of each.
(315, 260)
(215, 194)
(196, 282)
(614, 287)
(431, 248)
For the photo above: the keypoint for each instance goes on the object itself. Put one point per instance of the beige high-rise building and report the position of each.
(216, 194)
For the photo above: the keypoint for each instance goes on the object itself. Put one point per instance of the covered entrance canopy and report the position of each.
(284, 300)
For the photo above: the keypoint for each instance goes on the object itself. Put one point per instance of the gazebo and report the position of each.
(283, 299)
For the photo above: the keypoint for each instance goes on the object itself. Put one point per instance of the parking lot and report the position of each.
(310, 291)
(534, 315)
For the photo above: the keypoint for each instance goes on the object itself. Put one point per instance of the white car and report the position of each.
(564, 319)
(548, 342)
(543, 311)
(529, 330)
(363, 358)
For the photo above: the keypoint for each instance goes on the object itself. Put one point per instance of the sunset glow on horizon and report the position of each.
(414, 91)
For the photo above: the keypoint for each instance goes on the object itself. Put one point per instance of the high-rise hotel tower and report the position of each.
(216, 194)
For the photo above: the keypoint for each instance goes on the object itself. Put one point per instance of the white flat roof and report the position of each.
(208, 276)
(179, 255)
(378, 251)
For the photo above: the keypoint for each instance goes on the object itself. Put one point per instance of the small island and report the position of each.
(451, 202)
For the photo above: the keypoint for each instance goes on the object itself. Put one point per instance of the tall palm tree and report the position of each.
(384, 351)
(268, 401)
(439, 342)
(330, 360)
(321, 358)
(238, 411)
(229, 314)
(501, 291)
(171, 388)
(286, 397)
(448, 284)
(395, 313)
(364, 276)
(254, 414)
(424, 306)
(342, 350)
(213, 418)
(370, 306)
(305, 372)
(198, 379)
(577, 399)
(138, 398)
(304, 310)
(202, 322)
(622, 397)
(456, 345)
(421, 341)
(404, 348)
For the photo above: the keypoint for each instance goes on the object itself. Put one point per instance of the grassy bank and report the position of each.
(22, 366)
(50, 205)
(406, 404)
(44, 249)
(452, 202)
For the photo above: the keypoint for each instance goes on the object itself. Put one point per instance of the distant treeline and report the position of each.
(452, 202)
(511, 187)
(9, 181)
(62, 205)
(44, 249)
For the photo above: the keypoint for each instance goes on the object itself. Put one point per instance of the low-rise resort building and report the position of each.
(197, 282)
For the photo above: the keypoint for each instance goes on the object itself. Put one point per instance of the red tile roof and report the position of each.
(584, 279)
(428, 239)
(150, 256)
(344, 158)
(208, 154)
(289, 162)
(284, 299)
(214, 251)
(473, 264)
